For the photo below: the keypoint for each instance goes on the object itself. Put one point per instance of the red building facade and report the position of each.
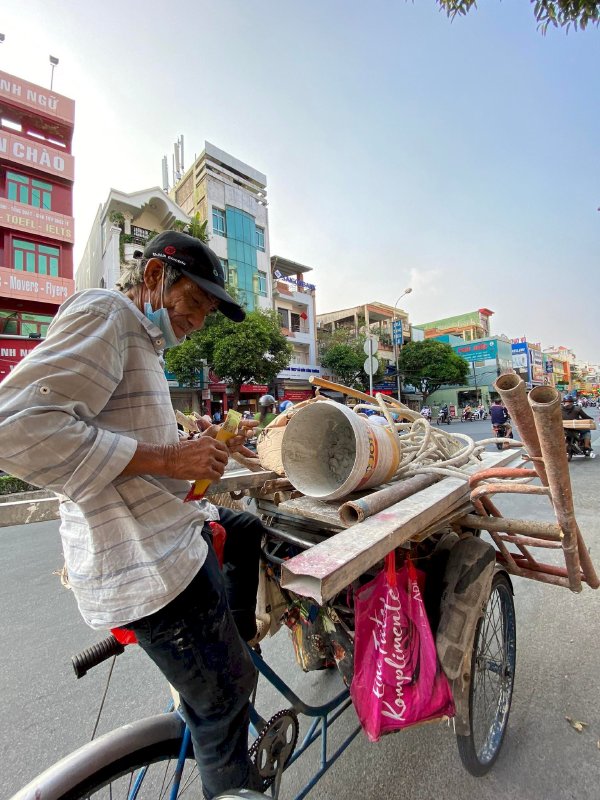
(36, 213)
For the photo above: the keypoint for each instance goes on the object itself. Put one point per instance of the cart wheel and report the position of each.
(492, 678)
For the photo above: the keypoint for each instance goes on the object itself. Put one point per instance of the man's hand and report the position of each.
(236, 443)
(194, 459)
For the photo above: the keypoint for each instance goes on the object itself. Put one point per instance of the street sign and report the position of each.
(371, 345)
(371, 365)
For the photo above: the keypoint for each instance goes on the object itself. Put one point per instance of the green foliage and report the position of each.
(430, 364)
(12, 485)
(196, 227)
(342, 353)
(239, 352)
(558, 13)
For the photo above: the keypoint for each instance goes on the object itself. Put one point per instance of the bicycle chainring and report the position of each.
(275, 744)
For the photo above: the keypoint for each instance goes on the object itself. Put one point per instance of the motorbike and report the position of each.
(575, 444)
(426, 413)
(444, 416)
(502, 431)
(466, 416)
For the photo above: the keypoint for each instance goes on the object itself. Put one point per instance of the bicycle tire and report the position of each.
(480, 748)
(100, 764)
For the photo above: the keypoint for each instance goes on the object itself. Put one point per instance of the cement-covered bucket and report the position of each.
(328, 451)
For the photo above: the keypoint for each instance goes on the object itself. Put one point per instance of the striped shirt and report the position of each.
(71, 414)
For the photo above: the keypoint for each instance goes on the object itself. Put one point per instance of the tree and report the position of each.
(342, 352)
(559, 13)
(239, 352)
(431, 364)
(195, 227)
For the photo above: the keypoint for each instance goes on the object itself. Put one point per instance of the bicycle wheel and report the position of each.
(492, 679)
(136, 761)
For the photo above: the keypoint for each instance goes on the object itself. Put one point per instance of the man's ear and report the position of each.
(153, 272)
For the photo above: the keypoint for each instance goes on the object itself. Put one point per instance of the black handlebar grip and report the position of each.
(96, 654)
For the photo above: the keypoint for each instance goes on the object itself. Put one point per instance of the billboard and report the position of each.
(482, 350)
(28, 95)
(21, 217)
(520, 359)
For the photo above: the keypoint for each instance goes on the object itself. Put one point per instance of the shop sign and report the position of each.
(298, 371)
(295, 395)
(478, 351)
(537, 366)
(22, 217)
(22, 151)
(28, 95)
(254, 388)
(296, 281)
(30, 286)
(12, 351)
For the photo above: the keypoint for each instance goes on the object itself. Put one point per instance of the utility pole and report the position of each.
(398, 343)
(475, 379)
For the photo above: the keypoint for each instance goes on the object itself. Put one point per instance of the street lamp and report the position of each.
(398, 346)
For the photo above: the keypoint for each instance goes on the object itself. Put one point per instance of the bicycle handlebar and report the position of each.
(96, 654)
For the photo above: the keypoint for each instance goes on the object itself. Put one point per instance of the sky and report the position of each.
(460, 159)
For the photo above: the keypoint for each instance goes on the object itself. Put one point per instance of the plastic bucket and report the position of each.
(329, 451)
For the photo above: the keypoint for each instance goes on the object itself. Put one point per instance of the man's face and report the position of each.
(568, 404)
(187, 304)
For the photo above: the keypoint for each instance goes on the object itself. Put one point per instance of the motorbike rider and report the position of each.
(499, 416)
(444, 412)
(426, 412)
(572, 411)
(268, 406)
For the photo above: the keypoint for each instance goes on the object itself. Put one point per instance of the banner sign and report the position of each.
(477, 351)
(31, 286)
(22, 151)
(46, 103)
(12, 351)
(21, 217)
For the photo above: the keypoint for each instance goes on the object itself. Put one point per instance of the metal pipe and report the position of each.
(358, 510)
(548, 531)
(545, 405)
(513, 392)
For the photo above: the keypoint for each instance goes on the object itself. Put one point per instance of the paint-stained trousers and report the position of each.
(197, 645)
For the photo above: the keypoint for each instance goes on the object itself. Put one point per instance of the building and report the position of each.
(36, 213)
(124, 224)
(232, 196)
(469, 327)
(294, 302)
(563, 361)
(378, 319)
(488, 359)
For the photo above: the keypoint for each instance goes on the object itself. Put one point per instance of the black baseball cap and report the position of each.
(198, 263)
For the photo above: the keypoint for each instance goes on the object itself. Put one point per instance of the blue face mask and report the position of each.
(160, 318)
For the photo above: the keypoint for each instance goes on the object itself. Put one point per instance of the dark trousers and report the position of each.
(196, 644)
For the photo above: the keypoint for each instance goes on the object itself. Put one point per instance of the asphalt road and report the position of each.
(46, 713)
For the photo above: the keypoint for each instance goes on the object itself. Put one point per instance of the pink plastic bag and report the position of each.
(397, 678)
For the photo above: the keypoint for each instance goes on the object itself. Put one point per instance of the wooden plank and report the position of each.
(327, 568)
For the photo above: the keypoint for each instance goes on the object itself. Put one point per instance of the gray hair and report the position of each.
(132, 274)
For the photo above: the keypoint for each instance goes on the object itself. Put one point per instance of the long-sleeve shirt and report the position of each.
(71, 415)
(575, 412)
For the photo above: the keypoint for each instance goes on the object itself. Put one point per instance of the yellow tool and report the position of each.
(227, 430)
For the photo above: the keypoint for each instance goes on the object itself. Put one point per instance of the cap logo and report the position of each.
(170, 250)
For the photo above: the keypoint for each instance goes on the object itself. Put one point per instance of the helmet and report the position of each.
(568, 399)
(267, 400)
(285, 405)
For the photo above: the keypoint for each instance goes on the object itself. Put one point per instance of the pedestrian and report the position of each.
(88, 415)
(266, 414)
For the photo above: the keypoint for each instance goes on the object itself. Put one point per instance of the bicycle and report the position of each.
(154, 756)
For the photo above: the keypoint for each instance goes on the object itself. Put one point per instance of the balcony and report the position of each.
(140, 235)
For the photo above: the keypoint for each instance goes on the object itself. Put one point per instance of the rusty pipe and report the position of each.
(513, 392)
(358, 510)
(545, 405)
(549, 531)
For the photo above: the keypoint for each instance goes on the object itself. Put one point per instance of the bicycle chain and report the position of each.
(271, 729)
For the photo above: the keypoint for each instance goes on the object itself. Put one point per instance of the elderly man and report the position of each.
(88, 415)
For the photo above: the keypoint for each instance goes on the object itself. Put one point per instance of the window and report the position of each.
(260, 238)
(28, 190)
(232, 277)
(218, 216)
(32, 257)
(262, 283)
(19, 323)
(225, 265)
(295, 323)
(284, 317)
